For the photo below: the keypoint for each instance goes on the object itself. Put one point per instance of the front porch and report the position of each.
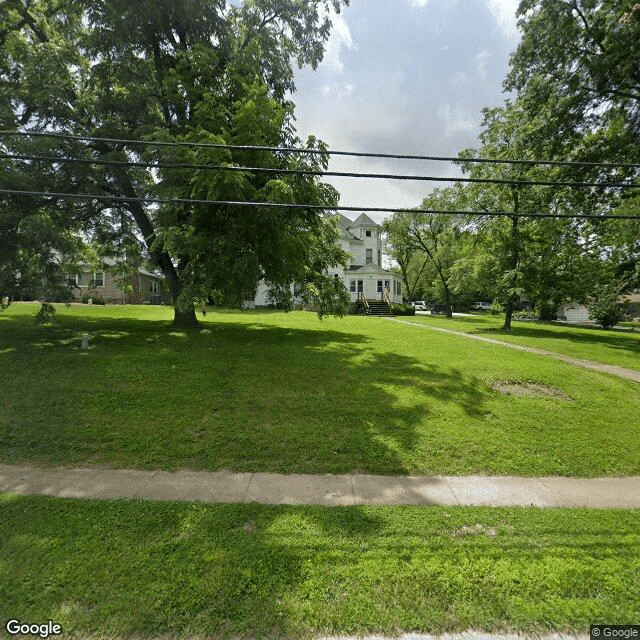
(362, 306)
(373, 284)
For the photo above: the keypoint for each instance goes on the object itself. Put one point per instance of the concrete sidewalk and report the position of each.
(330, 490)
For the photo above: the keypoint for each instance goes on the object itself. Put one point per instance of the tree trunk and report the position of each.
(515, 259)
(447, 301)
(181, 319)
(508, 313)
(185, 319)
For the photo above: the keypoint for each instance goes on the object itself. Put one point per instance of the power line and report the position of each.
(312, 172)
(314, 207)
(330, 152)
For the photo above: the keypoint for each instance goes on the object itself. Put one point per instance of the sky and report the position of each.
(405, 76)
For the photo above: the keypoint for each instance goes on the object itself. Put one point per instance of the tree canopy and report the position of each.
(575, 83)
(578, 61)
(173, 71)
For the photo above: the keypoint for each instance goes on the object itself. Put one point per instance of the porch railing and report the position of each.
(362, 300)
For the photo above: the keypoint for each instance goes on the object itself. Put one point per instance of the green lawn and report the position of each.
(612, 346)
(268, 391)
(136, 569)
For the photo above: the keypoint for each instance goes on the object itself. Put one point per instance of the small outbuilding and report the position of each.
(573, 312)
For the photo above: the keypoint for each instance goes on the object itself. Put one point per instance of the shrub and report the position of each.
(46, 314)
(525, 315)
(547, 310)
(94, 296)
(605, 309)
(402, 310)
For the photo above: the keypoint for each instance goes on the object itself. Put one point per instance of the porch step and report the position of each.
(379, 308)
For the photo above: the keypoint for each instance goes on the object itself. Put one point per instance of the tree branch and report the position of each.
(614, 92)
(23, 10)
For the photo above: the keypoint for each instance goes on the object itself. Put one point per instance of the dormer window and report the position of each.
(368, 233)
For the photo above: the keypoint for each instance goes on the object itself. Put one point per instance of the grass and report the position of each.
(127, 568)
(261, 391)
(621, 348)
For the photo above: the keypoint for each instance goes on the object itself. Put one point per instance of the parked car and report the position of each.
(419, 305)
(438, 309)
(481, 306)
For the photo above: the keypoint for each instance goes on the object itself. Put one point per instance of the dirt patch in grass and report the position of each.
(525, 388)
(476, 530)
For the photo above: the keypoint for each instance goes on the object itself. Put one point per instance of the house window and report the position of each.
(379, 258)
(98, 278)
(368, 233)
(398, 288)
(360, 286)
(352, 286)
(78, 279)
(379, 286)
(153, 286)
(386, 285)
(369, 259)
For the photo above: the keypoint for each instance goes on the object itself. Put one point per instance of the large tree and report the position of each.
(577, 72)
(179, 71)
(412, 262)
(578, 60)
(439, 237)
(539, 259)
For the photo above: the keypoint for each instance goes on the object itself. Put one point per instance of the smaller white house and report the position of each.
(364, 277)
(573, 312)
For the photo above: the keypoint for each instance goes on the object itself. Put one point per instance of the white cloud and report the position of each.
(460, 79)
(455, 119)
(419, 3)
(337, 90)
(482, 59)
(340, 36)
(504, 11)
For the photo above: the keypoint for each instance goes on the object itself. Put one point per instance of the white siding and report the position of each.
(573, 312)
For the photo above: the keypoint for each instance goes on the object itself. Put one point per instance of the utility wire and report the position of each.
(315, 207)
(330, 152)
(312, 172)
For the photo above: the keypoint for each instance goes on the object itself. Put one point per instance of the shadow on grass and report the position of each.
(128, 569)
(240, 395)
(597, 337)
(483, 325)
(141, 569)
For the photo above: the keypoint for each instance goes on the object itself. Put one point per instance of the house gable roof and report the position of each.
(374, 268)
(110, 262)
(345, 225)
(363, 220)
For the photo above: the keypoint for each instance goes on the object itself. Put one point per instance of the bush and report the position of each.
(605, 309)
(402, 310)
(496, 309)
(525, 315)
(547, 310)
(94, 296)
(46, 314)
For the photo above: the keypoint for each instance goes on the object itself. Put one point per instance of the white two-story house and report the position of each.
(365, 276)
